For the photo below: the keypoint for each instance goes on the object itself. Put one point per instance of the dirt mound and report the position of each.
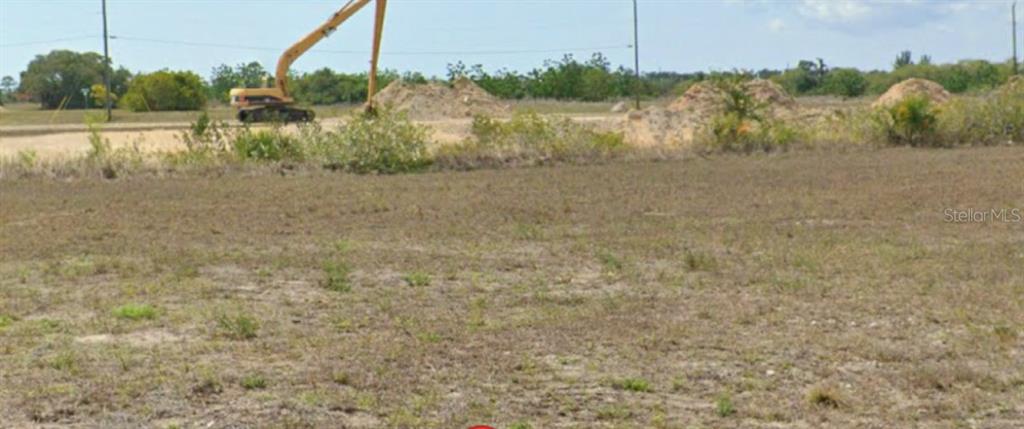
(678, 123)
(434, 100)
(707, 98)
(912, 88)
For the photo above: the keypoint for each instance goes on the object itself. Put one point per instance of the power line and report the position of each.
(357, 52)
(43, 42)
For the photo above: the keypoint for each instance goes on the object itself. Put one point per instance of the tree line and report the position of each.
(73, 80)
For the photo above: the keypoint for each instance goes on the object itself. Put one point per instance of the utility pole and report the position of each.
(636, 53)
(106, 64)
(1013, 19)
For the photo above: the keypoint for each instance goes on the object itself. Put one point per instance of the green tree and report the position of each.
(224, 78)
(904, 59)
(62, 74)
(845, 83)
(7, 86)
(165, 90)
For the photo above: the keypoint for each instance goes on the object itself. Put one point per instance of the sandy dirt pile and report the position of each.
(912, 88)
(678, 123)
(433, 101)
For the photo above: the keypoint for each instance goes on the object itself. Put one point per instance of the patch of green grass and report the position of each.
(5, 321)
(64, 361)
(520, 425)
(254, 382)
(417, 279)
(135, 312)
(632, 385)
(614, 412)
(610, 262)
(238, 326)
(724, 406)
(336, 276)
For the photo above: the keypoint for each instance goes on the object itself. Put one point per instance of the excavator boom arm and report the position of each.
(302, 46)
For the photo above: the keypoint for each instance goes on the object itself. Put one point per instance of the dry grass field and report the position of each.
(800, 290)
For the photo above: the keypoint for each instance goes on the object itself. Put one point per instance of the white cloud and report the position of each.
(836, 11)
(777, 25)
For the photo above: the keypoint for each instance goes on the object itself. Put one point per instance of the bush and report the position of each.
(528, 139)
(911, 121)
(743, 125)
(845, 83)
(165, 90)
(267, 145)
(995, 119)
(386, 143)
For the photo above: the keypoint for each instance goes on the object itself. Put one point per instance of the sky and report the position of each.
(426, 35)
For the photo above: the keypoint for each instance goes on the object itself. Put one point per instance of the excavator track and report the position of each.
(282, 114)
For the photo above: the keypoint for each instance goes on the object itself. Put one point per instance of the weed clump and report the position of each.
(909, 122)
(825, 397)
(633, 385)
(238, 326)
(336, 276)
(254, 382)
(135, 312)
(417, 279)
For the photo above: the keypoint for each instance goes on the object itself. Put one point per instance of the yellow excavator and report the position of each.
(276, 103)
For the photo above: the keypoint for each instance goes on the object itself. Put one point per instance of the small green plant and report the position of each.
(911, 121)
(336, 276)
(610, 262)
(5, 321)
(632, 385)
(417, 279)
(64, 361)
(135, 312)
(239, 326)
(520, 425)
(206, 136)
(254, 382)
(724, 406)
(27, 159)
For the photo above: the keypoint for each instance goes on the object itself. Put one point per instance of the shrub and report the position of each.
(912, 121)
(528, 139)
(845, 83)
(743, 125)
(267, 145)
(995, 119)
(165, 90)
(386, 143)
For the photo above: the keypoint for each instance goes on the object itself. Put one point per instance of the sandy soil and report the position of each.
(70, 141)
